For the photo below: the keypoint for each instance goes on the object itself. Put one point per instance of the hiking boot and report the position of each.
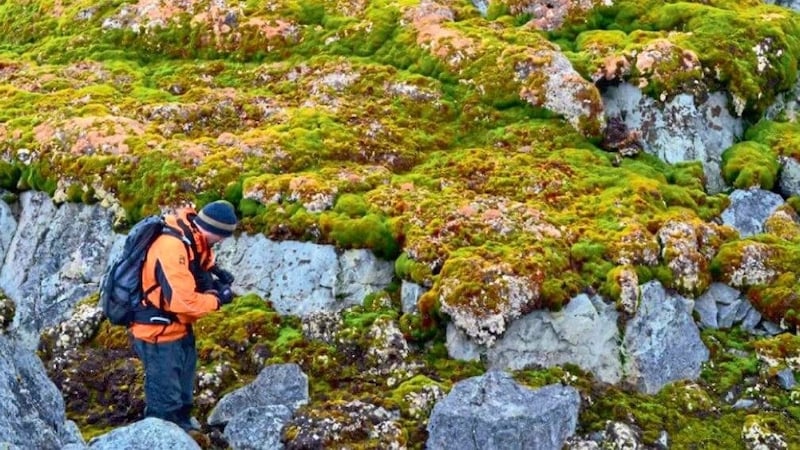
(202, 440)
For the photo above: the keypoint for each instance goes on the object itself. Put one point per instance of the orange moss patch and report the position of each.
(89, 135)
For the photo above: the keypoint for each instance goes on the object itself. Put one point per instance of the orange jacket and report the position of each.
(167, 269)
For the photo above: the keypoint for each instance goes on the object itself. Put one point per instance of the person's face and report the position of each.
(213, 238)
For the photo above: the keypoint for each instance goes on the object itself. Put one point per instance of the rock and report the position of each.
(335, 424)
(56, 258)
(662, 342)
(460, 346)
(757, 435)
(279, 384)
(147, 434)
(584, 333)
(789, 180)
(620, 435)
(303, 278)
(33, 409)
(727, 314)
(706, 308)
(786, 379)
(409, 294)
(749, 209)
(258, 428)
(751, 320)
(680, 130)
(497, 413)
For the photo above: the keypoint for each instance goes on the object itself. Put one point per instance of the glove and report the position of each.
(204, 281)
(224, 276)
(225, 295)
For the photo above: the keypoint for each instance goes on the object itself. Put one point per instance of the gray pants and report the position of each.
(169, 370)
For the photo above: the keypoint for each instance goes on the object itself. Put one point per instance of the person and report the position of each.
(177, 280)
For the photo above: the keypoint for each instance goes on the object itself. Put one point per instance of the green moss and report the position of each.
(750, 164)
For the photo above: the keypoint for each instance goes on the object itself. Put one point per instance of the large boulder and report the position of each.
(56, 258)
(584, 333)
(302, 278)
(147, 434)
(279, 384)
(33, 410)
(493, 411)
(662, 343)
(679, 129)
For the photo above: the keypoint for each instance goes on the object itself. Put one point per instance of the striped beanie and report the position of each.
(217, 217)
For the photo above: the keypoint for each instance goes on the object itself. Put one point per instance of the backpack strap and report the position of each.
(150, 313)
(195, 265)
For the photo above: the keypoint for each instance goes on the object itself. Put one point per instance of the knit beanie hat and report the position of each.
(217, 217)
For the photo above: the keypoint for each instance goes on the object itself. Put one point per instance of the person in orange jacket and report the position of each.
(179, 289)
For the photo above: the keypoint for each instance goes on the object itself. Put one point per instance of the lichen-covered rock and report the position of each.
(258, 428)
(663, 127)
(757, 435)
(687, 249)
(339, 423)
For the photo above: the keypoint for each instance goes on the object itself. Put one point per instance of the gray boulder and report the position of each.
(147, 434)
(492, 411)
(303, 278)
(258, 428)
(33, 409)
(662, 342)
(584, 333)
(56, 258)
(679, 129)
(749, 209)
(279, 384)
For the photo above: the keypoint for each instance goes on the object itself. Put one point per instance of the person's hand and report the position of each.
(225, 295)
(223, 275)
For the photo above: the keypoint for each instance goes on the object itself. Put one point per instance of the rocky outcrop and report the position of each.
(662, 343)
(678, 129)
(301, 278)
(33, 410)
(584, 333)
(492, 411)
(56, 257)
